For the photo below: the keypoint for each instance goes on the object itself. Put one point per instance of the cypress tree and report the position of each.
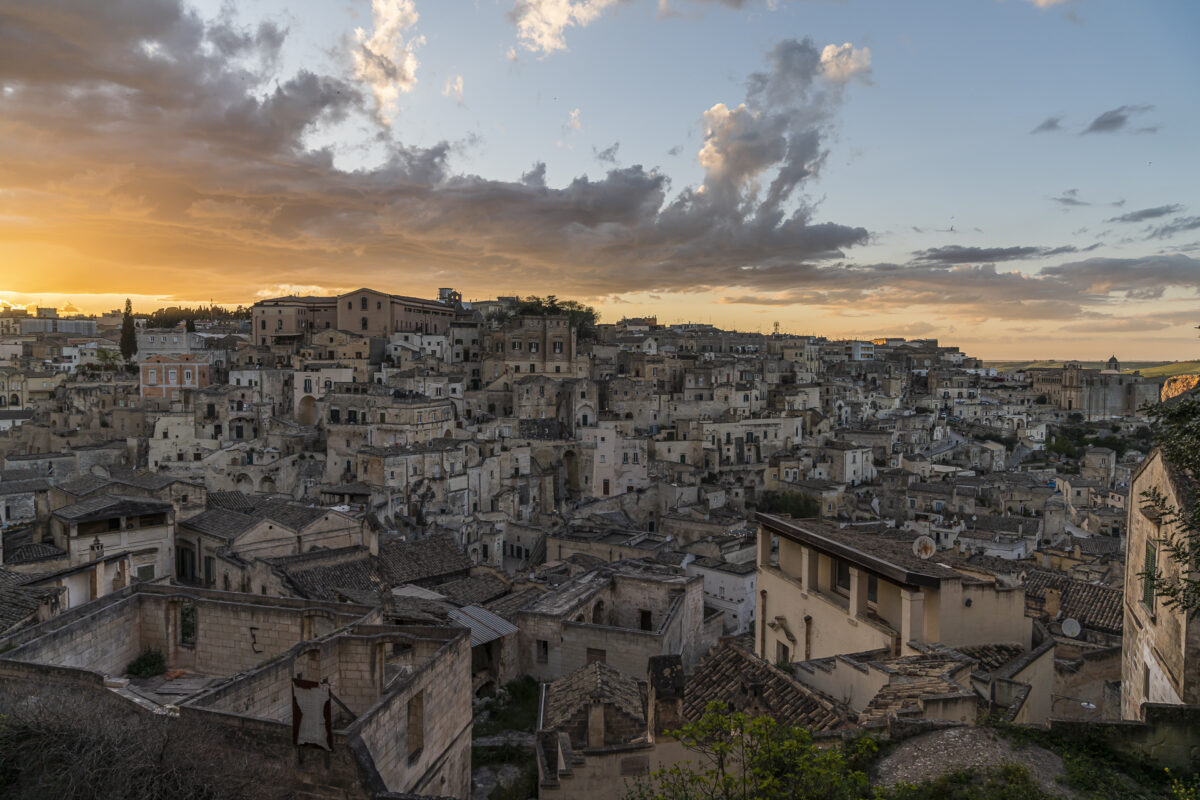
(128, 333)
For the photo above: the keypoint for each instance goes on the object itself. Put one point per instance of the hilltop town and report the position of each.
(379, 537)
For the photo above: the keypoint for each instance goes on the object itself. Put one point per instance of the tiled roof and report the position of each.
(1097, 545)
(84, 484)
(11, 487)
(991, 657)
(898, 699)
(1095, 607)
(17, 606)
(233, 500)
(285, 512)
(569, 697)
(474, 590)
(323, 582)
(874, 551)
(219, 522)
(915, 678)
(10, 577)
(746, 683)
(507, 607)
(423, 560)
(107, 506)
(34, 551)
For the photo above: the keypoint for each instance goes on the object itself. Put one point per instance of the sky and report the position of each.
(1016, 177)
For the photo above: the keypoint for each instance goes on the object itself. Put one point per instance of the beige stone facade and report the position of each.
(1160, 644)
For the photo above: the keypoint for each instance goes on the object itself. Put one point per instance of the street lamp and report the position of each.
(1086, 704)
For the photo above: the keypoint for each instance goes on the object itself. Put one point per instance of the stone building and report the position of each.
(531, 345)
(620, 614)
(167, 376)
(401, 721)
(835, 590)
(1161, 644)
(110, 524)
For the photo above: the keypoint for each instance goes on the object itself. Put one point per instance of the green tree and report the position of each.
(582, 318)
(107, 359)
(1179, 439)
(128, 332)
(741, 758)
(798, 504)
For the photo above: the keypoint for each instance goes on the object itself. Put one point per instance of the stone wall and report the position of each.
(104, 640)
(1169, 737)
(442, 765)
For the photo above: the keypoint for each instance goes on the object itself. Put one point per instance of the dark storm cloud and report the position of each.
(157, 148)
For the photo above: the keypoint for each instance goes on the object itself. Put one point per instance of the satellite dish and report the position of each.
(923, 547)
(1071, 627)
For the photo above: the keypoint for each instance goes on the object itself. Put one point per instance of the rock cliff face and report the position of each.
(1178, 385)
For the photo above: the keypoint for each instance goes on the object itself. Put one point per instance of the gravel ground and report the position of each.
(932, 754)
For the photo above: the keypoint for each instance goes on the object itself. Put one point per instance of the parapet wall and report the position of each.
(1169, 737)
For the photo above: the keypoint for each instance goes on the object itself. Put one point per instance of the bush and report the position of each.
(147, 665)
(798, 504)
(513, 709)
(87, 744)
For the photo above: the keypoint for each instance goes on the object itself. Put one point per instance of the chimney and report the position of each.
(665, 701)
(596, 721)
(1052, 603)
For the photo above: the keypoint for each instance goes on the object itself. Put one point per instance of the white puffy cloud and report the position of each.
(540, 23)
(739, 144)
(454, 88)
(384, 60)
(1048, 3)
(845, 62)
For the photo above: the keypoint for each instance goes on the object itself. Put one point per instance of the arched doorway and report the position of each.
(571, 465)
(306, 414)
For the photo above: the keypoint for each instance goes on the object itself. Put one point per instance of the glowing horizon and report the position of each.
(803, 171)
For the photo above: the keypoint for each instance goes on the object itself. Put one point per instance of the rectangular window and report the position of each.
(416, 725)
(187, 624)
(872, 589)
(782, 654)
(595, 654)
(841, 574)
(646, 619)
(543, 651)
(151, 376)
(516, 345)
(1151, 571)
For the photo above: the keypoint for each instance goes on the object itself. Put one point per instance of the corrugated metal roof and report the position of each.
(485, 626)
